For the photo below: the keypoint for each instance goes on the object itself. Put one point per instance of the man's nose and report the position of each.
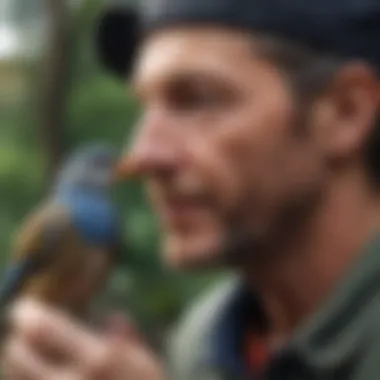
(154, 151)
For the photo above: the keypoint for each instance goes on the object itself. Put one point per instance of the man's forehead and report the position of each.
(193, 51)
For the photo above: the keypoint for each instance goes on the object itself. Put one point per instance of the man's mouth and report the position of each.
(182, 211)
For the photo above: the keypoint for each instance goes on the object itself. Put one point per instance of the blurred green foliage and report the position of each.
(101, 108)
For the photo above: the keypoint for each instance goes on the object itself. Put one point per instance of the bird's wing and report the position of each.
(41, 230)
(46, 246)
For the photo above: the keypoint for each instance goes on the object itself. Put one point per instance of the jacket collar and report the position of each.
(327, 341)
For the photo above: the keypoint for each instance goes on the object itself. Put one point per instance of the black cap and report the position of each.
(346, 28)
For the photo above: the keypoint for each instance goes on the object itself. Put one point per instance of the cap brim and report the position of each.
(116, 39)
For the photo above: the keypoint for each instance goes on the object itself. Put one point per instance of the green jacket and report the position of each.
(341, 341)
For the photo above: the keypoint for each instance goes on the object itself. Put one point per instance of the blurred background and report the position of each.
(53, 97)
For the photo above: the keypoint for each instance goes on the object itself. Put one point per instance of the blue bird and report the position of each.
(67, 246)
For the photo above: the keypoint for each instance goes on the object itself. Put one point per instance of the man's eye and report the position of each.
(195, 101)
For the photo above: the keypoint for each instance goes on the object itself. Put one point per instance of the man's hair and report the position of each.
(310, 72)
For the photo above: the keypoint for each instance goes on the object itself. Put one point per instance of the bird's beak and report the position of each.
(125, 170)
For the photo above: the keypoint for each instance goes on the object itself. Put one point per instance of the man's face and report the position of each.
(219, 142)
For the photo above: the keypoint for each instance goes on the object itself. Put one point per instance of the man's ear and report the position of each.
(346, 113)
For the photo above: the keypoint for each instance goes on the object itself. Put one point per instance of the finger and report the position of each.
(119, 326)
(141, 363)
(20, 362)
(46, 329)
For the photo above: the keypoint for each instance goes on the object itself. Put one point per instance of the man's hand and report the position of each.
(45, 345)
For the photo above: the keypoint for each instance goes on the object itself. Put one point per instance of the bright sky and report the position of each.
(8, 38)
(9, 42)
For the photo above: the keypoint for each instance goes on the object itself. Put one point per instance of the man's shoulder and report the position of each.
(188, 342)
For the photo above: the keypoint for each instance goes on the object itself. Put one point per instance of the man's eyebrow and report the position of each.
(180, 77)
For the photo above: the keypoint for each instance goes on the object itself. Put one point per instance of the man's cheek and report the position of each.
(209, 161)
(238, 181)
(223, 181)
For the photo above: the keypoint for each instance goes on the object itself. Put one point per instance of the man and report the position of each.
(258, 139)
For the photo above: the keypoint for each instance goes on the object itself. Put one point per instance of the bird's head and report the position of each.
(91, 167)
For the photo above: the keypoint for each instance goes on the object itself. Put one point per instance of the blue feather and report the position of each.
(93, 214)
